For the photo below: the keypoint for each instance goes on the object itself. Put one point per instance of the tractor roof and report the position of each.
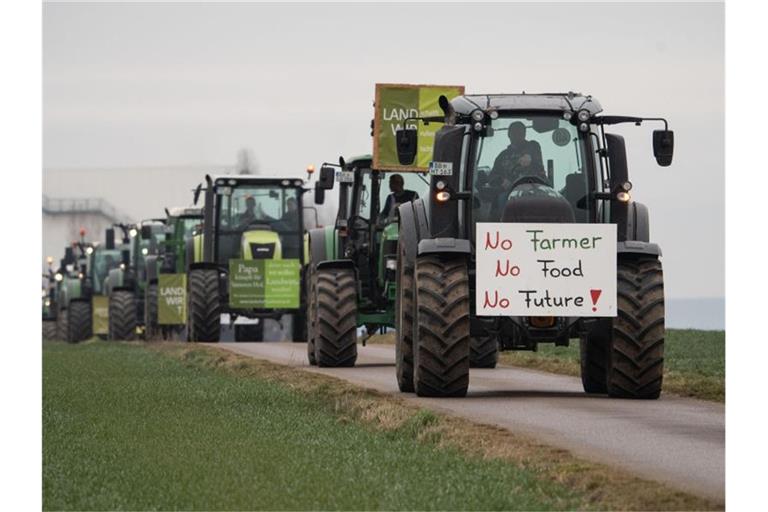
(250, 179)
(185, 211)
(564, 102)
(359, 158)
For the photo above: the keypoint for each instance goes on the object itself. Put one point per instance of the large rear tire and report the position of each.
(336, 327)
(404, 319)
(49, 330)
(79, 322)
(250, 332)
(636, 358)
(483, 352)
(204, 305)
(62, 322)
(441, 344)
(152, 329)
(311, 316)
(122, 315)
(593, 349)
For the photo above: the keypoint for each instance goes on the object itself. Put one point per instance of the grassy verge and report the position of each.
(694, 361)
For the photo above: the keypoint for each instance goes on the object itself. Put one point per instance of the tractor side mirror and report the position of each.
(110, 238)
(146, 232)
(406, 140)
(319, 193)
(663, 146)
(197, 192)
(327, 175)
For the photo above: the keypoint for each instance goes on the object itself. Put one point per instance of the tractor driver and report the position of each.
(398, 196)
(521, 158)
(253, 213)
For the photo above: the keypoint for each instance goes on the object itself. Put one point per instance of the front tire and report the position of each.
(404, 319)
(336, 328)
(483, 352)
(311, 318)
(62, 325)
(79, 322)
(441, 344)
(49, 330)
(152, 326)
(636, 358)
(122, 315)
(593, 359)
(204, 305)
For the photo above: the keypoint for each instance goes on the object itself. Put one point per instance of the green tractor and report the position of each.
(73, 294)
(170, 260)
(248, 260)
(126, 285)
(352, 264)
(49, 303)
(506, 162)
(102, 258)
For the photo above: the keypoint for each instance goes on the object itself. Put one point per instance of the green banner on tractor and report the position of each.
(100, 314)
(172, 299)
(264, 284)
(396, 103)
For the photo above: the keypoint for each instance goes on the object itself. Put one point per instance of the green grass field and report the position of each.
(694, 362)
(129, 428)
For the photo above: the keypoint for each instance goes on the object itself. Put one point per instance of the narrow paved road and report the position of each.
(677, 441)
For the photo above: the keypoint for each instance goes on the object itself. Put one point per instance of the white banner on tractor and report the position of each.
(545, 269)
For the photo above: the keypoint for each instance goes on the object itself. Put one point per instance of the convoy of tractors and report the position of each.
(480, 223)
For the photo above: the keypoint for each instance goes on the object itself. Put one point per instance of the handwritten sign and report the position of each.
(172, 299)
(545, 269)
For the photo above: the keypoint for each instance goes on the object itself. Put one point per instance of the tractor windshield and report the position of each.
(539, 154)
(252, 207)
(104, 261)
(394, 189)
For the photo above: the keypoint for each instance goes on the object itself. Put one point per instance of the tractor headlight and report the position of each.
(440, 185)
(133, 232)
(478, 126)
(584, 127)
(584, 116)
(626, 186)
(49, 260)
(80, 275)
(567, 115)
(477, 115)
(47, 302)
(623, 196)
(285, 183)
(443, 196)
(89, 250)
(58, 276)
(391, 264)
(122, 266)
(44, 292)
(144, 251)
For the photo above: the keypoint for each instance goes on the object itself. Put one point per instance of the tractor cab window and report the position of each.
(188, 225)
(526, 156)
(104, 261)
(252, 207)
(394, 188)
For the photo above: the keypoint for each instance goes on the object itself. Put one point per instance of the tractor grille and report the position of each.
(262, 251)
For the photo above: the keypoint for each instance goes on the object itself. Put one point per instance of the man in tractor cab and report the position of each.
(253, 213)
(398, 196)
(521, 158)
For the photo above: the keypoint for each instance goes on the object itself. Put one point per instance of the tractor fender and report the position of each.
(444, 245)
(203, 265)
(321, 244)
(409, 232)
(335, 264)
(639, 248)
(638, 223)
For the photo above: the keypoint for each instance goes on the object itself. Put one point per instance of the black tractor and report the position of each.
(525, 158)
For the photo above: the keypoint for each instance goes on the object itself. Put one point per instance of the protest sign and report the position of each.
(545, 269)
(264, 284)
(172, 299)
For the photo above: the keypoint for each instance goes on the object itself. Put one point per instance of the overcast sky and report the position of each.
(189, 84)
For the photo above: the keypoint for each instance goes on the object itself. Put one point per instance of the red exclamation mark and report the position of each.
(595, 295)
